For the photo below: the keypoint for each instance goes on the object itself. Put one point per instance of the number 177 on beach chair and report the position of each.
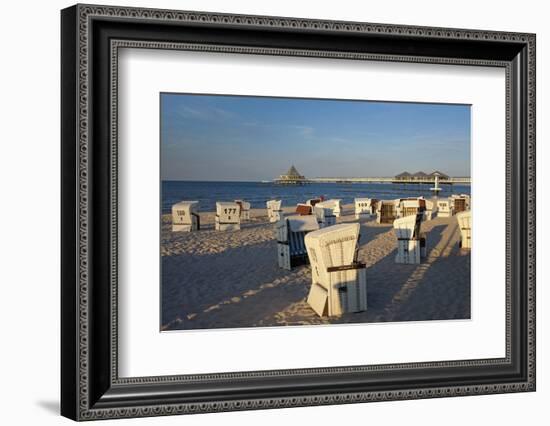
(339, 282)
(228, 216)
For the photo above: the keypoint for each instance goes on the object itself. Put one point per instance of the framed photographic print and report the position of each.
(263, 212)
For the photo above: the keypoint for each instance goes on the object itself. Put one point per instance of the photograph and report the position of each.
(279, 211)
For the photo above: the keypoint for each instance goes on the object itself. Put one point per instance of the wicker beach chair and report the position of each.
(444, 207)
(411, 206)
(387, 211)
(461, 203)
(245, 209)
(411, 242)
(339, 282)
(291, 231)
(334, 204)
(303, 209)
(364, 208)
(185, 216)
(228, 216)
(274, 211)
(465, 224)
(325, 216)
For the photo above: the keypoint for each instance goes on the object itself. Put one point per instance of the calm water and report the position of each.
(256, 193)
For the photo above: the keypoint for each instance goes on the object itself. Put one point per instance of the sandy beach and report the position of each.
(216, 279)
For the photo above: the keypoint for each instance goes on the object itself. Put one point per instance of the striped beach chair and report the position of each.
(185, 216)
(338, 281)
(411, 242)
(291, 231)
(465, 224)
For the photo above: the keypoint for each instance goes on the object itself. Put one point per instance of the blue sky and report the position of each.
(209, 137)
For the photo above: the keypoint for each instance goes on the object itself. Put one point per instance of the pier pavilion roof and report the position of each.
(440, 174)
(403, 175)
(293, 173)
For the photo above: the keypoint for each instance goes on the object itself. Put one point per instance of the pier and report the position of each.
(412, 181)
(293, 177)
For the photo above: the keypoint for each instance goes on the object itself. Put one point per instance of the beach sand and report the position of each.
(217, 279)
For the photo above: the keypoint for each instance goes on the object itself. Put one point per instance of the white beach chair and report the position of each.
(312, 201)
(364, 208)
(444, 207)
(411, 242)
(291, 231)
(339, 282)
(430, 211)
(324, 216)
(274, 211)
(334, 204)
(185, 216)
(465, 224)
(228, 216)
(410, 207)
(245, 209)
(387, 211)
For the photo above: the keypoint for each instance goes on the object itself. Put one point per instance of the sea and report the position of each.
(257, 193)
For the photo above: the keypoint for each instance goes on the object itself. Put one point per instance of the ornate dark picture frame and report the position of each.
(91, 37)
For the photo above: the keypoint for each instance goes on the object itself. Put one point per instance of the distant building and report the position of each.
(441, 175)
(421, 176)
(292, 177)
(403, 176)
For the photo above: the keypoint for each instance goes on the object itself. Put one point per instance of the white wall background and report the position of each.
(29, 211)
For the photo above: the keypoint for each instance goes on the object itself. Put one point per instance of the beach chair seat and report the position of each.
(444, 207)
(324, 216)
(465, 224)
(274, 210)
(245, 209)
(387, 211)
(364, 208)
(290, 232)
(303, 209)
(334, 204)
(411, 242)
(228, 216)
(185, 216)
(338, 281)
